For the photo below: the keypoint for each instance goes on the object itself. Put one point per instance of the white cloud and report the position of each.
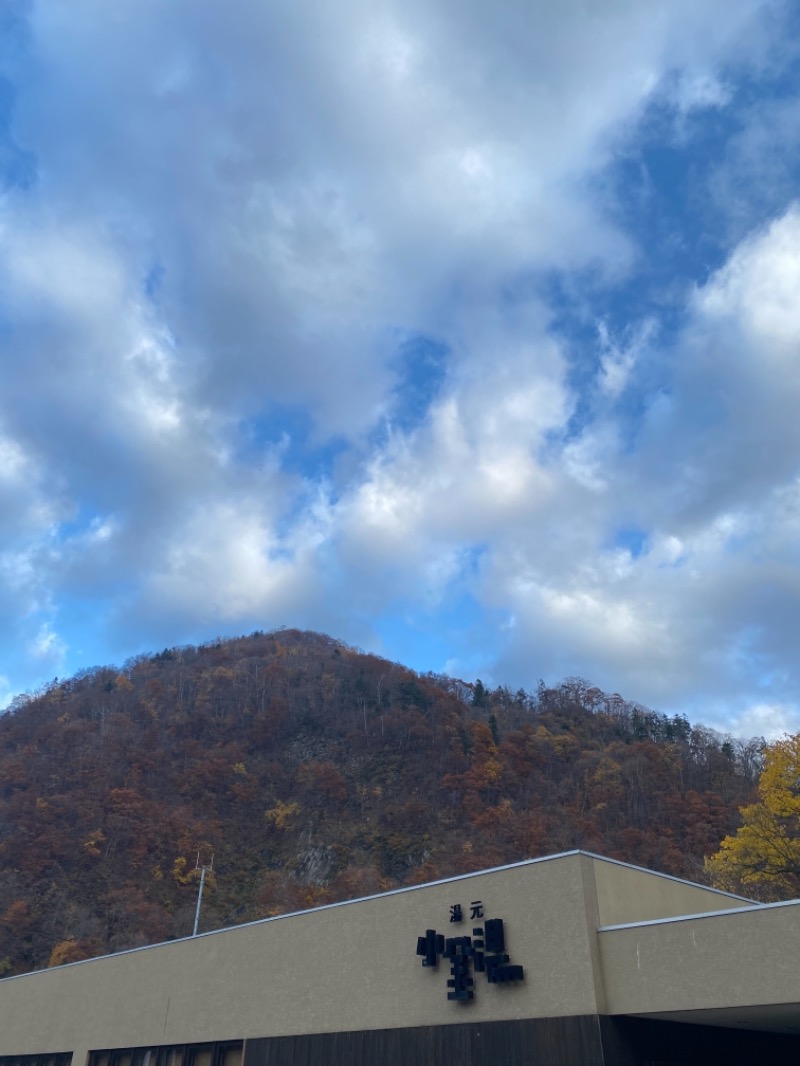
(770, 721)
(473, 467)
(755, 295)
(299, 200)
(701, 90)
(48, 647)
(708, 607)
(617, 363)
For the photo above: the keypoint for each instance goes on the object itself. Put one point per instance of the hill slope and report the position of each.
(314, 772)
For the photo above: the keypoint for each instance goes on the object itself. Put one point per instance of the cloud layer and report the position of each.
(395, 319)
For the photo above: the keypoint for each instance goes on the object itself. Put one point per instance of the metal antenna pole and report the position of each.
(203, 869)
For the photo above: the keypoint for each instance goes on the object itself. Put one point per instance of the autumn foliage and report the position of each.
(762, 859)
(313, 773)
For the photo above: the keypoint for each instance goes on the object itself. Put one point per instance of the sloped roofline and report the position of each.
(749, 905)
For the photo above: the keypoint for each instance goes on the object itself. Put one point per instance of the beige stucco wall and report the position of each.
(630, 894)
(349, 967)
(336, 968)
(740, 958)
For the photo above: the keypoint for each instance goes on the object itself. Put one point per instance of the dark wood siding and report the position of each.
(532, 1042)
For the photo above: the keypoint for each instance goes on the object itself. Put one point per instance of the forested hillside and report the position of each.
(313, 773)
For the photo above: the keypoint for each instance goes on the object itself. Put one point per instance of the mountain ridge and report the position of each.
(315, 772)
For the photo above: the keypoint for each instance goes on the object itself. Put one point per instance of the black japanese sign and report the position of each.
(483, 952)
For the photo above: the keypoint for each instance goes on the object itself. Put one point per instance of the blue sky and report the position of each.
(467, 334)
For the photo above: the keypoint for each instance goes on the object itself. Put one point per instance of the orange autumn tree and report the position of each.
(762, 858)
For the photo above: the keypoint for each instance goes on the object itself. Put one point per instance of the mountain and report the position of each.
(312, 772)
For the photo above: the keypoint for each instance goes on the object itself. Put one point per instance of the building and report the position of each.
(567, 960)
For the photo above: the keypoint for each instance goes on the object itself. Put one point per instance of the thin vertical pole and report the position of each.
(199, 900)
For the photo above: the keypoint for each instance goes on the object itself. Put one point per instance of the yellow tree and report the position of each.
(763, 858)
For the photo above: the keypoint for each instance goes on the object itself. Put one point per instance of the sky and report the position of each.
(467, 333)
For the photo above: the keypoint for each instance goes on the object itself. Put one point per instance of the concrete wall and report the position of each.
(347, 967)
(630, 894)
(743, 958)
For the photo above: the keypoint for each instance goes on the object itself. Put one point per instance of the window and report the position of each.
(63, 1058)
(222, 1053)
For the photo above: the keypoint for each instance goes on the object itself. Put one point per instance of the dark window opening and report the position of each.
(62, 1058)
(221, 1053)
